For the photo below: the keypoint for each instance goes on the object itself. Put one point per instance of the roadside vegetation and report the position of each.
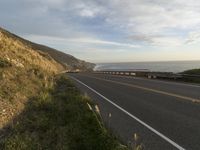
(59, 119)
(192, 72)
(40, 109)
(193, 75)
(23, 72)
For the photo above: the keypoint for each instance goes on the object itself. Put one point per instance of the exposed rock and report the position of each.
(17, 63)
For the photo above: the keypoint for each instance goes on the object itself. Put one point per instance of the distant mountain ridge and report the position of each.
(68, 61)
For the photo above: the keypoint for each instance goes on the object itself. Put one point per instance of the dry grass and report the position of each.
(59, 119)
(40, 111)
(23, 72)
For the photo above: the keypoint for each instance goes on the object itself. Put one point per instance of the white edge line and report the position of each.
(134, 117)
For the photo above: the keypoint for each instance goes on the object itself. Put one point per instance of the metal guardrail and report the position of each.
(128, 73)
(149, 74)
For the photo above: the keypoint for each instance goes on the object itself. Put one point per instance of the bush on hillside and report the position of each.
(192, 72)
(4, 63)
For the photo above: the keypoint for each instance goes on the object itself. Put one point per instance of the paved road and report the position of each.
(166, 115)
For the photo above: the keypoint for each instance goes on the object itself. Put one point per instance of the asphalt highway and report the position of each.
(165, 115)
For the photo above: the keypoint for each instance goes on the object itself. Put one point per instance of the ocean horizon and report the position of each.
(159, 66)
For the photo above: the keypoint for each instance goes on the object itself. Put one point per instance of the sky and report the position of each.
(109, 30)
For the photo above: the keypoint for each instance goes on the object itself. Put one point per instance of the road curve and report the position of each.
(166, 115)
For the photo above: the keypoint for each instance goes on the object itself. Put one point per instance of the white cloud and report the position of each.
(87, 13)
(159, 40)
(132, 17)
(88, 10)
(107, 25)
(193, 37)
(80, 40)
(97, 41)
(155, 17)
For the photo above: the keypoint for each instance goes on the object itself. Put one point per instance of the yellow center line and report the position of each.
(151, 90)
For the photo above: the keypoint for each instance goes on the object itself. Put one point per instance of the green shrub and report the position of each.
(4, 63)
(192, 72)
(195, 73)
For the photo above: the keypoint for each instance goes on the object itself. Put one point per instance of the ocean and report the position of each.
(160, 66)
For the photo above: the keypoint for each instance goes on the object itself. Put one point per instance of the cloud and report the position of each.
(81, 40)
(193, 37)
(169, 19)
(159, 40)
(143, 20)
(105, 24)
(144, 38)
(87, 13)
(89, 10)
(97, 41)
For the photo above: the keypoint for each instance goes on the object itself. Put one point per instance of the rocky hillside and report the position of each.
(68, 61)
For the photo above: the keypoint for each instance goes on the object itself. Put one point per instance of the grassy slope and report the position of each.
(70, 61)
(23, 72)
(63, 58)
(59, 118)
(39, 110)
